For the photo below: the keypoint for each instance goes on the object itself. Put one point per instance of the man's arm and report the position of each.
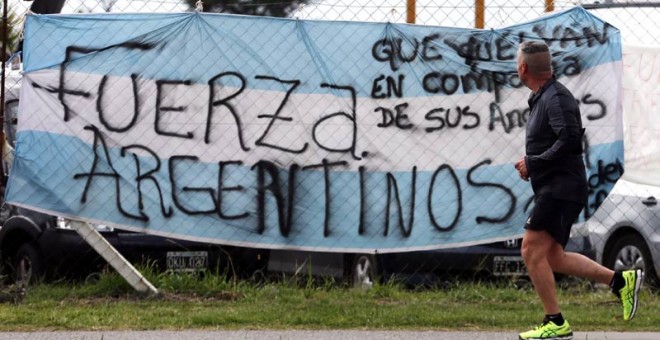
(567, 129)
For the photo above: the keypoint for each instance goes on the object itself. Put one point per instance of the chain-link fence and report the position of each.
(335, 147)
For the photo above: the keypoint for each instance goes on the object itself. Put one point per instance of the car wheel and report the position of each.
(631, 252)
(28, 265)
(364, 271)
(258, 277)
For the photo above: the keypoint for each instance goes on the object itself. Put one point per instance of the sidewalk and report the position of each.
(302, 335)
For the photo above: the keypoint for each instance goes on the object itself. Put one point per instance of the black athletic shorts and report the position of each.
(554, 216)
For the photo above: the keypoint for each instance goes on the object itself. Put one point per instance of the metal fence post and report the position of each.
(479, 13)
(411, 13)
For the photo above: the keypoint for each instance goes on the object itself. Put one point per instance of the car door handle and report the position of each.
(650, 201)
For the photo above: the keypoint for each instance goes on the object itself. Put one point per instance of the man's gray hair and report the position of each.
(532, 47)
(536, 55)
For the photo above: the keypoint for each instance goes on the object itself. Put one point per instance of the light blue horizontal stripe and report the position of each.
(197, 47)
(45, 165)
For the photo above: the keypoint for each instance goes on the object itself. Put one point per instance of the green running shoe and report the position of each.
(548, 330)
(629, 294)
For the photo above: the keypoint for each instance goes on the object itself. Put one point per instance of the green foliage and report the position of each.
(14, 26)
(271, 8)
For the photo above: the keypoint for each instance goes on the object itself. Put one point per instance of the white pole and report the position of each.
(114, 258)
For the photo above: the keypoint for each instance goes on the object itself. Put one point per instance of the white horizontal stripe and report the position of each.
(389, 148)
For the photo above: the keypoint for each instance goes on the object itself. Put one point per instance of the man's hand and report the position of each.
(521, 166)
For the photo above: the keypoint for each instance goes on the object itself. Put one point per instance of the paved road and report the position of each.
(302, 335)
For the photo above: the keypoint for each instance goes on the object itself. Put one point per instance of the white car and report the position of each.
(625, 230)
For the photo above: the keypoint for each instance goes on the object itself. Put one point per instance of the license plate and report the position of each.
(187, 261)
(509, 266)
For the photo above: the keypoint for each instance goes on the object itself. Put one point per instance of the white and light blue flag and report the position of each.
(282, 133)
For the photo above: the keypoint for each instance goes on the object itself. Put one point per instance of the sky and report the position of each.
(95, 6)
(636, 24)
(127, 6)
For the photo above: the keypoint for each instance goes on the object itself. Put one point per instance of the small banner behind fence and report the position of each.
(641, 81)
(280, 133)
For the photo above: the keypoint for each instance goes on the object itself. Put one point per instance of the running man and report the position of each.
(554, 165)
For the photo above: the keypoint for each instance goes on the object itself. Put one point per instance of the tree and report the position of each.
(14, 26)
(279, 8)
(47, 6)
(14, 41)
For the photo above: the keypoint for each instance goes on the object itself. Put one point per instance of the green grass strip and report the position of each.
(215, 302)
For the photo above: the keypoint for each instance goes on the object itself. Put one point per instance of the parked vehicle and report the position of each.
(418, 267)
(625, 230)
(36, 246)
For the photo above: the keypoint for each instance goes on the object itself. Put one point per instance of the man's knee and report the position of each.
(535, 247)
(529, 252)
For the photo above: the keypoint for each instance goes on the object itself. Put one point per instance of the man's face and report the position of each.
(522, 69)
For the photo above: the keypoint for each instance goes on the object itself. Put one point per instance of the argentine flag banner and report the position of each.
(294, 134)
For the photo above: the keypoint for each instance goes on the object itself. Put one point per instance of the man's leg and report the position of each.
(626, 287)
(578, 265)
(536, 247)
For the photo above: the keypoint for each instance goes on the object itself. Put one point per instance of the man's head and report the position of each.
(534, 63)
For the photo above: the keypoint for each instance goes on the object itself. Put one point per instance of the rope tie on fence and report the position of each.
(298, 11)
(21, 33)
(393, 14)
